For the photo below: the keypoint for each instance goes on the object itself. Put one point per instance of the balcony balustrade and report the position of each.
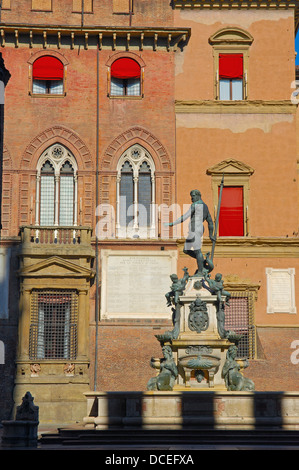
(56, 235)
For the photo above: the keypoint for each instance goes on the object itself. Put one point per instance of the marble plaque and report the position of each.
(281, 290)
(134, 284)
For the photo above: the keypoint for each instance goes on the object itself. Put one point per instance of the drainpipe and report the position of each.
(82, 14)
(130, 11)
(96, 241)
(4, 77)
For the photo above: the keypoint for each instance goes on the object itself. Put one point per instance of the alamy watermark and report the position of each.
(152, 221)
(295, 353)
(295, 94)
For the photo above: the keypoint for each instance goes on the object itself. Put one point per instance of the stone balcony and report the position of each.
(64, 241)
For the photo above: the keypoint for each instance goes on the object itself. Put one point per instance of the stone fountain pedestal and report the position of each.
(199, 354)
(199, 337)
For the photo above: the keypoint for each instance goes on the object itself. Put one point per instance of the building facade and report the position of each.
(114, 112)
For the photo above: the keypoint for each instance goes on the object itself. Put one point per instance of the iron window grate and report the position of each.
(53, 328)
(239, 317)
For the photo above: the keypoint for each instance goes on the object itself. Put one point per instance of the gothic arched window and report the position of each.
(135, 193)
(56, 188)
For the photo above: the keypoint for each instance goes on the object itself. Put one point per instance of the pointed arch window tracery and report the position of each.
(135, 194)
(56, 188)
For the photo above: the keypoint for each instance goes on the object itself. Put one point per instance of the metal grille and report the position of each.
(239, 318)
(53, 328)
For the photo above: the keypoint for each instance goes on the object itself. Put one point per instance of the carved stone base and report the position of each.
(199, 351)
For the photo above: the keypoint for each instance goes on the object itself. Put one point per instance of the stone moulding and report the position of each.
(92, 36)
(251, 247)
(235, 3)
(239, 4)
(175, 410)
(235, 107)
(231, 36)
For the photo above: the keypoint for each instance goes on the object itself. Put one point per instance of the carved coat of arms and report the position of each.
(198, 319)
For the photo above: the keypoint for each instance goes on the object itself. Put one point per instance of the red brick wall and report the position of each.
(153, 13)
(125, 351)
(273, 369)
(124, 356)
(76, 112)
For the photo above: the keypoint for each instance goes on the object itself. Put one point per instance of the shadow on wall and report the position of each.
(193, 410)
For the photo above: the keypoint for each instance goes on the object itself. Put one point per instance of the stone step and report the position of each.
(170, 437)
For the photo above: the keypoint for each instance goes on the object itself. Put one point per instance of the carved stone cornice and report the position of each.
(250, 247)
(92, 36)
(235, 107)
(241, 5)
(235, 4)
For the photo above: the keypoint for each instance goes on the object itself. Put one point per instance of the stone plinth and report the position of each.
(199, 350)
(19, 433)
(22, 432)
(195, 410)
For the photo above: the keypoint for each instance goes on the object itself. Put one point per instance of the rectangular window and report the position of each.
(46, 87)
(42, 5)
(122, 6)
(231, 76)
(239, 318)
(6, 4)
(231, 217)
(53, 328)
(125, 87)
(78, 4)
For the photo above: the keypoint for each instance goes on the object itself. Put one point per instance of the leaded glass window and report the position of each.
(144, 194)
(47, 194)
(136, 193)
(126, 194)
(56, 188)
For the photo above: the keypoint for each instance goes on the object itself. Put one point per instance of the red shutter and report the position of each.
(231, 66)
(231, 218)
(125, 68)
(47, 68)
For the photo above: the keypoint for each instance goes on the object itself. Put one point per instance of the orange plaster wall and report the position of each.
(271, 50)
(273, 186)
(266, 142)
